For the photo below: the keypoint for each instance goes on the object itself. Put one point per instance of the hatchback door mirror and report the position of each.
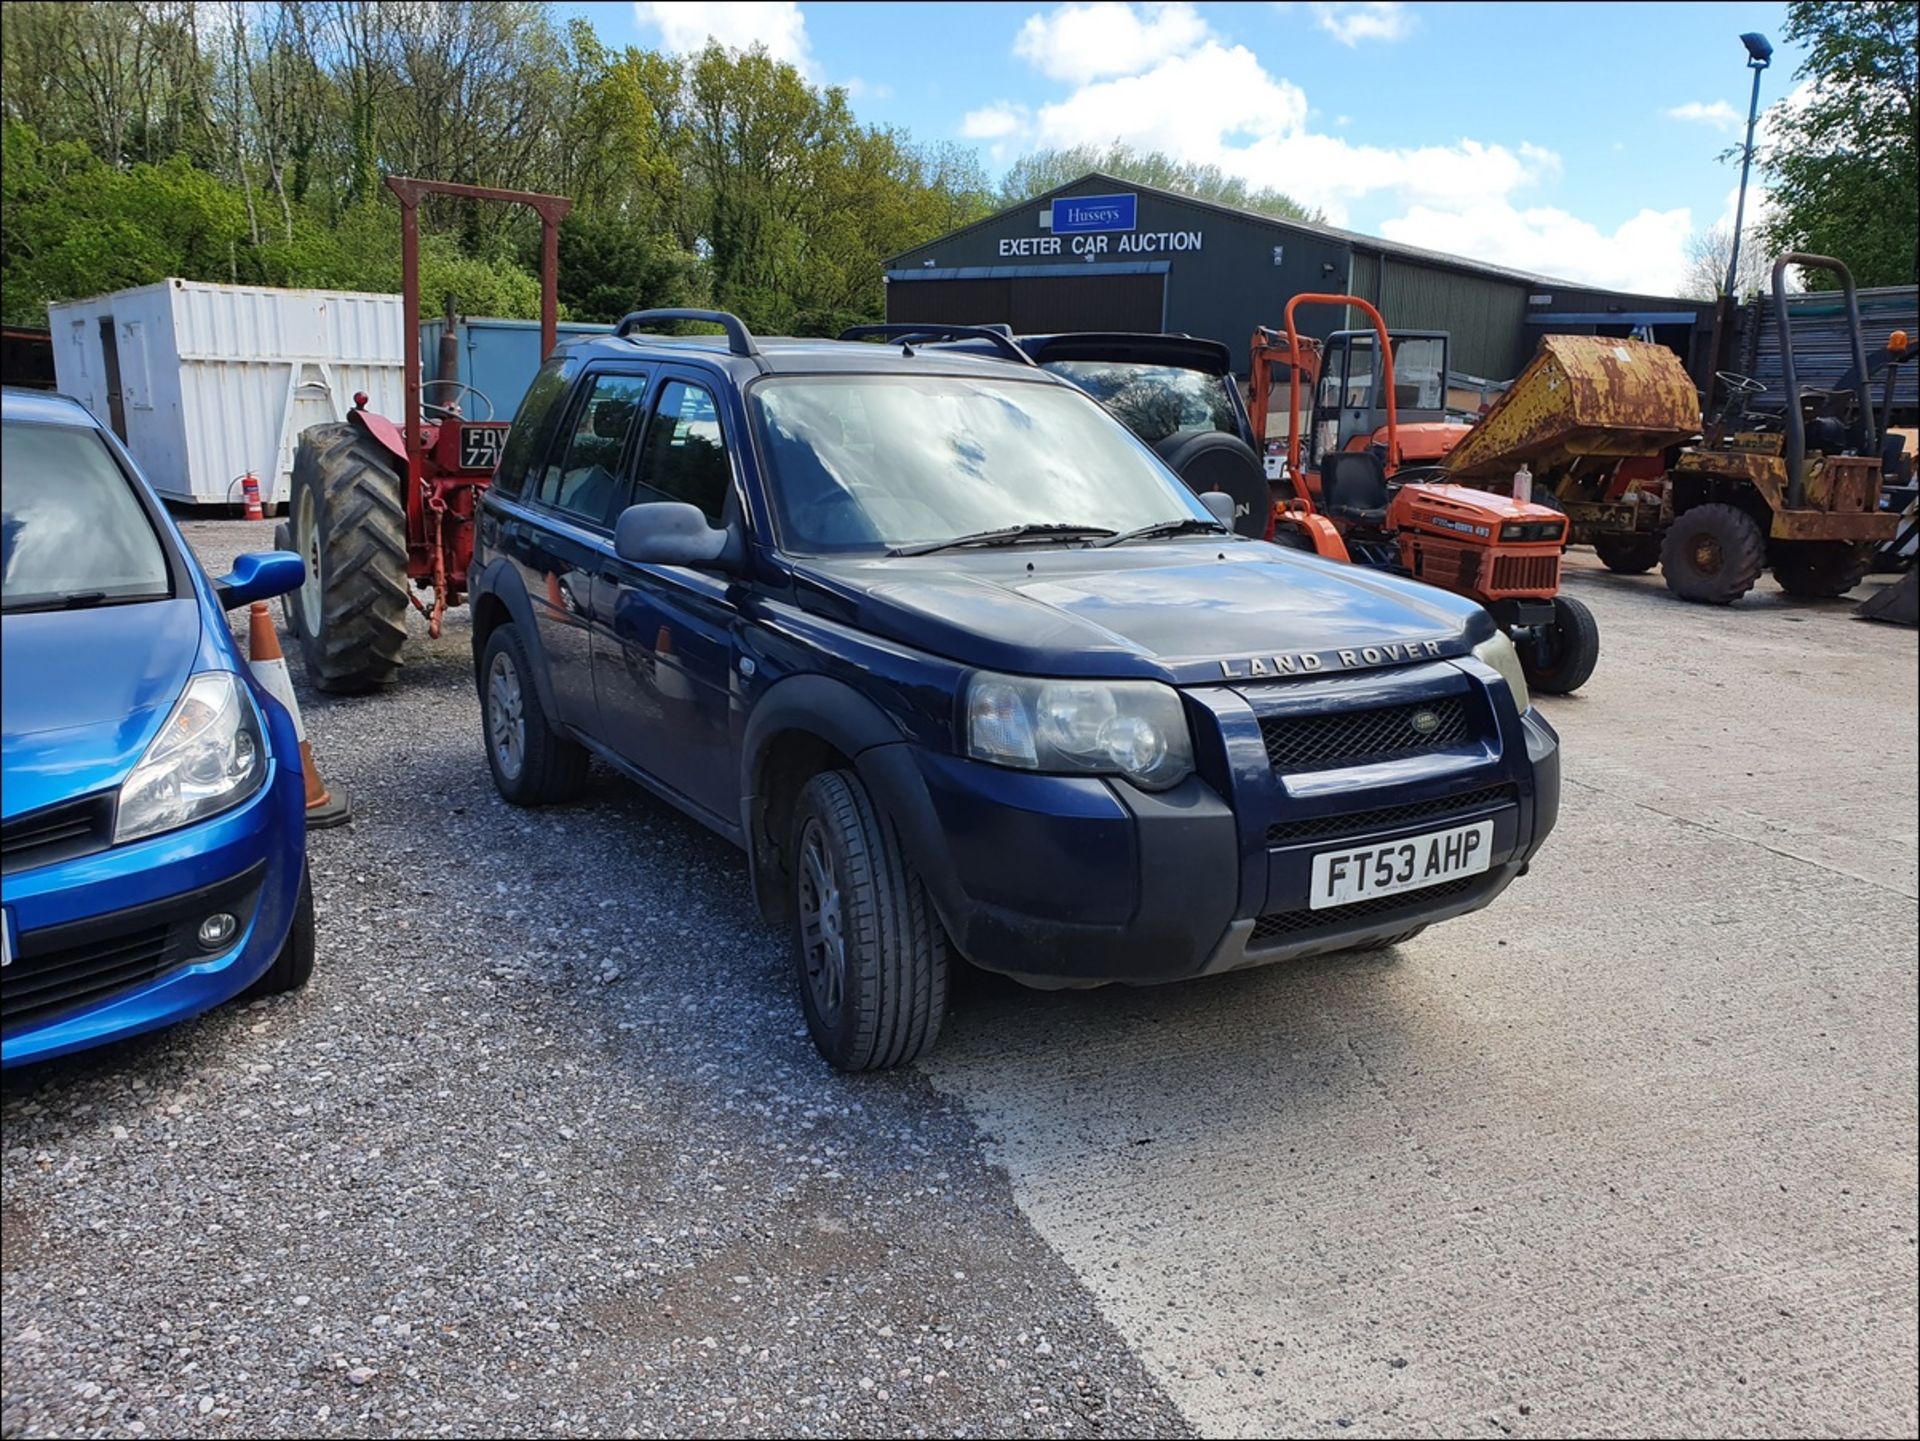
(669, 532)
(260, 576)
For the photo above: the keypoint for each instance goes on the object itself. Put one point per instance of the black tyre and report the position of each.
(292, 968)
(1628, 554)
(532, 763)
(1713, 554)
(1822, 569)
(1558, 659)
(870, 955)
(349, 523)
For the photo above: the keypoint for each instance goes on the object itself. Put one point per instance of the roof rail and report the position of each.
(739, 338)
(1000, 336)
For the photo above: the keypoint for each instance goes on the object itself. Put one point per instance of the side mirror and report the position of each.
(669, 532)
(261, 576)
(1219, 505)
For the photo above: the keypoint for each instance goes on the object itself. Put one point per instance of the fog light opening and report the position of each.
(217, 929)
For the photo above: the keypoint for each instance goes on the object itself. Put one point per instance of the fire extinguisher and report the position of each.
(250, 488)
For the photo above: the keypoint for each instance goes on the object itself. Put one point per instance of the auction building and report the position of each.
(1105, 254)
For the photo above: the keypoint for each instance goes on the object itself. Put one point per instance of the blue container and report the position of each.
(498, 358)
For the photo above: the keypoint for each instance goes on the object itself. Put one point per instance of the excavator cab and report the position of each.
(1349, 410)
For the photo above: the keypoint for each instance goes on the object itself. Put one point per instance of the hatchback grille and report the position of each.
(1326, 739)
(61, 968)
(1357, 822)
(57, 833)
(1278, 926)
(1527, 572)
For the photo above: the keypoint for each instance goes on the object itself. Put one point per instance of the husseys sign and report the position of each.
(1090, 225)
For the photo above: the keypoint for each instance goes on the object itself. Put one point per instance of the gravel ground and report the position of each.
(543, 1148)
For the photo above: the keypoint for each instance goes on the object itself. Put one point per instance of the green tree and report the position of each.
(1045, 170)
(1842, 177)
(610, 265)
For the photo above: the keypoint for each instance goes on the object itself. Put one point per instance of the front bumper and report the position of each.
(1076, 881)
(103, 946)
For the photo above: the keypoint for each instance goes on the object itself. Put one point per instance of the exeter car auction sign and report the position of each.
(1084, 225)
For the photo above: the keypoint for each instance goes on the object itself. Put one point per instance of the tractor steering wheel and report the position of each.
(1738, 384)
(452, 408)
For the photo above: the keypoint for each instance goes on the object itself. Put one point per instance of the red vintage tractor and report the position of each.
(382, 511)
(1347, 495)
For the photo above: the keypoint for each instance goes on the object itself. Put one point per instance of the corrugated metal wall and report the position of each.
(1821, 348)
(1485, 316)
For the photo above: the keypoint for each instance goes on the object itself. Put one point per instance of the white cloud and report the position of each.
(1350, 23)
(1211, 101)
(1077, 43)
(1645, 254)
(687, 25)
(993, 122)
(1717, 113)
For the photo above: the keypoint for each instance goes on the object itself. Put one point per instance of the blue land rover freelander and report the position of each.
(972, 676)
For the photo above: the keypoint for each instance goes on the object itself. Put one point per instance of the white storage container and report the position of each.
(206, 382)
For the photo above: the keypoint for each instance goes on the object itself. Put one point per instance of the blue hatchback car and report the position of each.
(152, 810)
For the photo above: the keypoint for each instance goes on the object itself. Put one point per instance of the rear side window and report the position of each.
(73, 532)
(584, 473)
(533, 422)
(685, 455)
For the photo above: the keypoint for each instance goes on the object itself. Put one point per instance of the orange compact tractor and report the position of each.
(1349, 490)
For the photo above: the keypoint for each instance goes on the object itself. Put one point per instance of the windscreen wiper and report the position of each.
(1007, 535)
(1166, 527)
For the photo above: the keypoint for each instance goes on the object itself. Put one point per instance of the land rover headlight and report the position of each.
(1498, 652)
(210, 755)
(1137, 729)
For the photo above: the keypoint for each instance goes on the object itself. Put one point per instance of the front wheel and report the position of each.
(870, 953)
(1628, 554)
(293, 967)
(1821, 569)
(1559, 658)
(1713, 554)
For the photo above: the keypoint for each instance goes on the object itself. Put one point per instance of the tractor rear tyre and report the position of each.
(1628, 554)
(1558, 659)
(1713, 554)
(349, 523)
(1822, 569)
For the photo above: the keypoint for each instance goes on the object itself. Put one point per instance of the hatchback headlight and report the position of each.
(1498, 652)
(1134, 728)
(210, 755)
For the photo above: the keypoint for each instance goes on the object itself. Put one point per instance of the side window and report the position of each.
(685, 455)
(531, 427)
(583, 468)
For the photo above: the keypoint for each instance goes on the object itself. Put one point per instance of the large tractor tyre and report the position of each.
(533, 764)
(1713, 554)
(349, 523)
(1558, 659)
(1628, 554)
(292, 968)
(870, 953)
(1821, 569)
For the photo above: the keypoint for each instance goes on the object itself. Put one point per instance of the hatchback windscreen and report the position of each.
(881, 462)
(1154, 401)
(72, 532)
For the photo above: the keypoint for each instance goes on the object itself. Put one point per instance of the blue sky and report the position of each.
(1575, 140)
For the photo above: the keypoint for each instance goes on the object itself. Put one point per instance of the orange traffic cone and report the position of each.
(324, 807)
(250, 488)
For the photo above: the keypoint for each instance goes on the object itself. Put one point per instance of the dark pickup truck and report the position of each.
(969, 673)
